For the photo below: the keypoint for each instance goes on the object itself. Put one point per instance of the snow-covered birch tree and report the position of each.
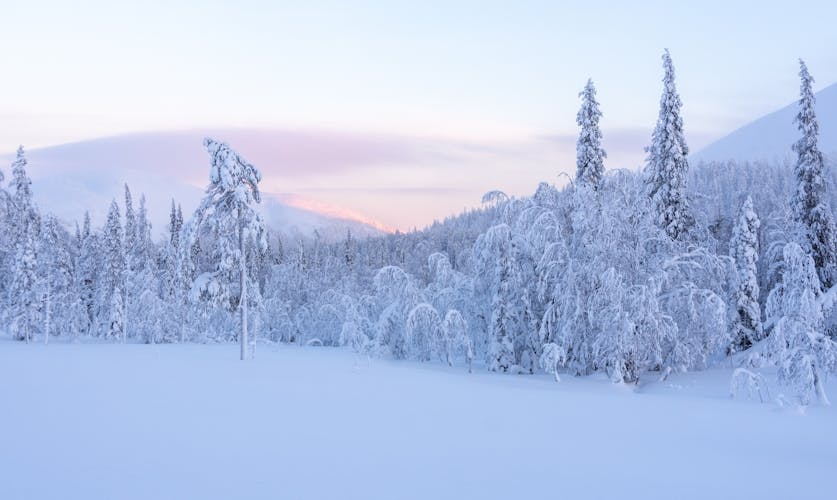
(797, 343)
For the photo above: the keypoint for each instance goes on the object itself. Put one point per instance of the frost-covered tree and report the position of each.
(226, 217)
(129, 240)
(171, 283)
(667, 164)
(145, 303)
(395, 296)
(589, 152)
(23, 209)
(349, 249)
(744, 249)
(810, 208)
(797, 344)
(456, 334)
(112, 285)
(55, 277)
(507, 317)
(24, 289)
(87, 273)
(425, 334)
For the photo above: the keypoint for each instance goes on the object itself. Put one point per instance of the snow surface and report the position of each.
(112, 421)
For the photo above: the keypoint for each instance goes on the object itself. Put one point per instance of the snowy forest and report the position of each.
(673, 268)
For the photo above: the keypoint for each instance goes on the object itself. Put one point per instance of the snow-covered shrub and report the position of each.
(749, 384)
(552, 357)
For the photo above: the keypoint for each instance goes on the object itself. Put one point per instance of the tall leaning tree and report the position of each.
(667, 165)
(809, 204)
(589, 152)
(227, 218)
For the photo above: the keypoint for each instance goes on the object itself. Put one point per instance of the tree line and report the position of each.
(623, 272)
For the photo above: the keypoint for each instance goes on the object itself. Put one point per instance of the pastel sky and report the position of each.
(495, 82)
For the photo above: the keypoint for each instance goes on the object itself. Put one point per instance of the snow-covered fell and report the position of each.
(87, 175)
(771, 136)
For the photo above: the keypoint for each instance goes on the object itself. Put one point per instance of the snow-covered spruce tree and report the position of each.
(667, 165)
(55, 277)
(24, 289)
(129, 240)
(7, 253)
(226, 217)
(810, 208)
(744, 249)
(78, 318)
(23, 209)
(112, 285)
(87, 274)
(130, 227)
(797, 344)
(172, 287)
(146, 304)
(589, 152)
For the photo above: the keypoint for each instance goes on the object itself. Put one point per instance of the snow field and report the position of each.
(92, 421)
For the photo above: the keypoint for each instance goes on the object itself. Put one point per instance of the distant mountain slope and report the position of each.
(771, 136)
(71, 178)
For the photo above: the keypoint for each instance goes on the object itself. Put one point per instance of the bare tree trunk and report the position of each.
(48, 314)
(242, 305)
(125, 314)
(821, 395)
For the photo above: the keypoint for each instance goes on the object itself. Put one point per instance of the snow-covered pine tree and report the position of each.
(810, 207)
(744, 249)
(589, 152)
(667, 165)
(226, 215)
